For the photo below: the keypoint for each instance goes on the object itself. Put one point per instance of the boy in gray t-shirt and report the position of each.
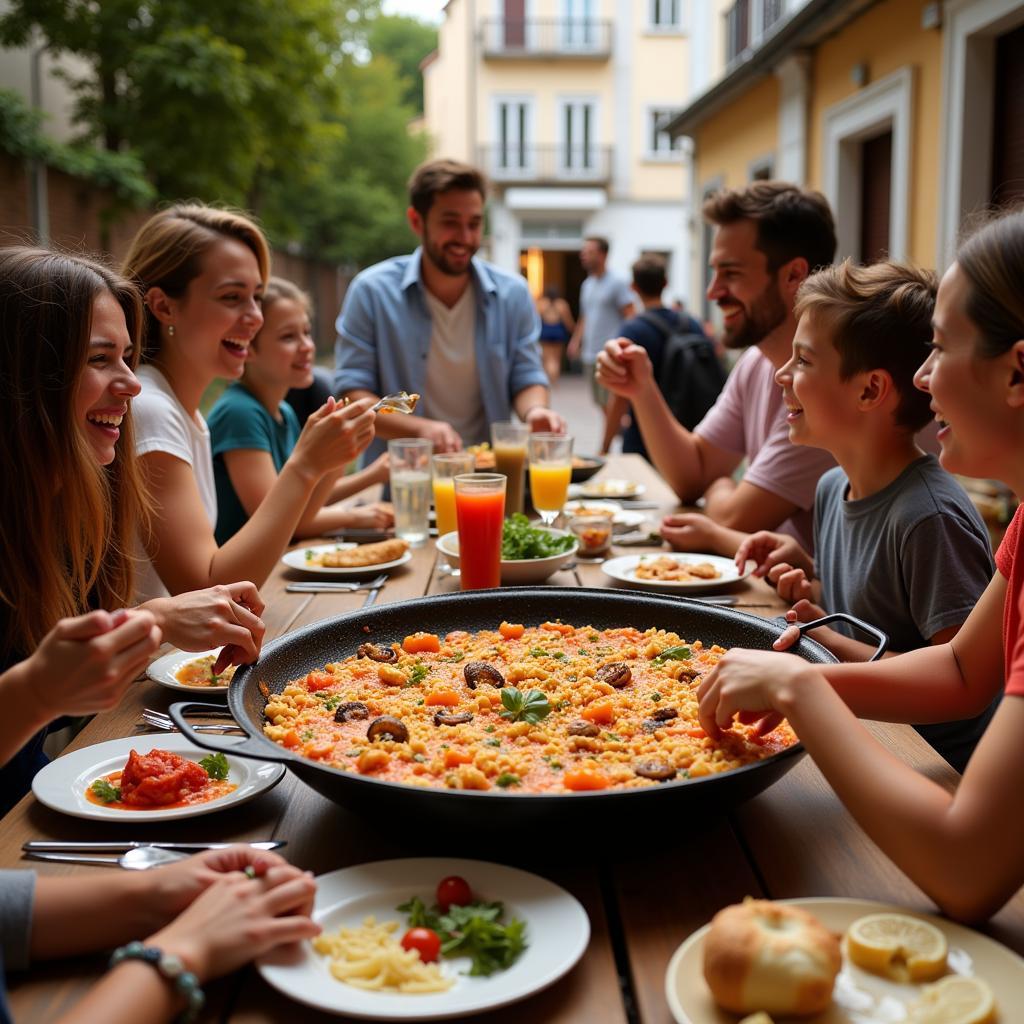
(897, 541)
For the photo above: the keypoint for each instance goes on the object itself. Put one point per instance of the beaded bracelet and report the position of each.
(170, 967)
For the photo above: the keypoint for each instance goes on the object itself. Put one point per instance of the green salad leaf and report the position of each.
(520, 540)
(216, 766)
(107, 792)
(678, 653)
(474, 930)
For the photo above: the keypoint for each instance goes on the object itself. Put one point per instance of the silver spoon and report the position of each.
(139, 859)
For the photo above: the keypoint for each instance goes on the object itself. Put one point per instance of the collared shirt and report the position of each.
(602, 299)
(384, 332)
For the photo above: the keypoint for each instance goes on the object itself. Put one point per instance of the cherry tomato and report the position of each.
(425, 941)
(453, 889)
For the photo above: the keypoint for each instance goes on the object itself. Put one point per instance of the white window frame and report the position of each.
(675, 152)
(529, 145)
(571, 41)
(667, 27)
(883, 105)
(570, 170)
(969, 31)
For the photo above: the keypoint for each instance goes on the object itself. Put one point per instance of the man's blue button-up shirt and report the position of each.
(384, 331)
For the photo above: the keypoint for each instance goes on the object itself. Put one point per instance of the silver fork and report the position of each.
(319, 586)
(158, 720)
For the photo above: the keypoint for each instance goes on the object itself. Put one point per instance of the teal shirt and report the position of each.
(238, 420)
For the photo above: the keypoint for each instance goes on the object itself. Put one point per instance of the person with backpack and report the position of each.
(689, 374)
(769, 237)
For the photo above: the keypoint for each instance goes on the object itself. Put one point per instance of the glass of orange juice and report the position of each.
(550, 458)
(480, 508)
(445, 469)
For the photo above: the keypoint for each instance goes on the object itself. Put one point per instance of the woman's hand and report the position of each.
(333, 436)
(84, 664)
(689, 531)
(222, 615)
(624, 368)
(378, 515)
(238, 918)
(760, 683)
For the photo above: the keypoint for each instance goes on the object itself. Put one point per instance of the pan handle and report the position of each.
(879, 637)
(247, 748)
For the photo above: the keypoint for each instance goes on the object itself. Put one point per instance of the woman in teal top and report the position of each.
(253, 429)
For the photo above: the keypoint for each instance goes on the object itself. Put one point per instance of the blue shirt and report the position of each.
(384, 331)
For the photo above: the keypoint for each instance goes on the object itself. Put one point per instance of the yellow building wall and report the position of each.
(886, 38)
(445, 87)
(736, 136)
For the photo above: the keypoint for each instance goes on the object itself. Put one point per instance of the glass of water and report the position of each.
(410, 488)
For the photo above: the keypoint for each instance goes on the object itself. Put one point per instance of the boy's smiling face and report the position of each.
(822, 407)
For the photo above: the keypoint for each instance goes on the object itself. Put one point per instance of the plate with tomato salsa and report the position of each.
(166, 779)
(542, 933)
(191, 671)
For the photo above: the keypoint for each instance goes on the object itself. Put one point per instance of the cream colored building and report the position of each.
(562, 103)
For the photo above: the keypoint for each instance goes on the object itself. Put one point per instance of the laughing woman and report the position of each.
(72, 504)
(202, 272)
(966, 849)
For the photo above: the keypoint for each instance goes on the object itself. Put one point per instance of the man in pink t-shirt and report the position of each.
(769, 237)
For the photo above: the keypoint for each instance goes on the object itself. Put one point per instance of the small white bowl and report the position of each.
(518, 572)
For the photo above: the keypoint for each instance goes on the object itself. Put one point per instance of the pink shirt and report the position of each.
(749, 419)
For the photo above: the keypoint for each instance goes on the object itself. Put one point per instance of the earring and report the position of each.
(170, 330)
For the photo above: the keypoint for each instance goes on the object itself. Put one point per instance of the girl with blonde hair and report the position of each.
(202, 272)
(254, 429)
(964, 849)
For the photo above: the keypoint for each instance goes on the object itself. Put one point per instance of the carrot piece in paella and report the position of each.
(582, 779)
(417, 643)
(511, 630)
(601, 712)
(558, 627)
(449, 698)
(453, 758)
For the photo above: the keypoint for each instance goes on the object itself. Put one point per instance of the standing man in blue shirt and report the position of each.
(444, 324)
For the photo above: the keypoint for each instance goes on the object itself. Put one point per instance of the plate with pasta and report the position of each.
(374, 959)
(674, 571)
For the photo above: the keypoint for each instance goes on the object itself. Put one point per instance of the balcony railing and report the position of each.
(536, 165)
(747, 22)
(586, 38)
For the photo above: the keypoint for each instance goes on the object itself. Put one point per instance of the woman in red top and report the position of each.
(966, 849)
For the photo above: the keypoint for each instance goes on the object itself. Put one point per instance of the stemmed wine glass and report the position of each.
(550, 458)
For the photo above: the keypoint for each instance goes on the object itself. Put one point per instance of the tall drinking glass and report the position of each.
(550, 470)
(446, 468)
(410, 488)
(508, 440)
(480, 509)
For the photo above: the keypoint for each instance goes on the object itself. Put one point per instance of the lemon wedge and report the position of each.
(897, 946)
(954, 1000)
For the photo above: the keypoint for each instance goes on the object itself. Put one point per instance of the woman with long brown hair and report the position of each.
(202, 272)
(72, 505)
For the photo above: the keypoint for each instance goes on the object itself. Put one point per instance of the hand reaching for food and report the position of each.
(333, 436)
(769, 549)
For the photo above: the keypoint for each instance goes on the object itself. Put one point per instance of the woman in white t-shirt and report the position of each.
(202, 272)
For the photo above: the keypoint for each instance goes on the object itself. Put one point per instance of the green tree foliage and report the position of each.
(406, 41)
(296, 109)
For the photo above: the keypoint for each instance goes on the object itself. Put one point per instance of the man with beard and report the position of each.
(770, 236)
(444, 324)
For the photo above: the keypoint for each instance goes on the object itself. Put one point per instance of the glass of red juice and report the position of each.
(480, 511)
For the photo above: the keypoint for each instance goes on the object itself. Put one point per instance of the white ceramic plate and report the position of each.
(859, 997)
(624, 569)
(515, 572)
(610, 487)
(297, 560)
(164, 671)
(557, 933)
(61, 785)
(620, 516)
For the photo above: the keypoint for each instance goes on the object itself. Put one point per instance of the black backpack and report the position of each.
(691, 375)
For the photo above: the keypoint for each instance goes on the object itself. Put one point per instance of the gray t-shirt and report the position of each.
(17, 892)
(601, 302)
(912, 559)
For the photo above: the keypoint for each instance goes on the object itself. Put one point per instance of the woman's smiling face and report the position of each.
(978, 427)
(219, 314)
(107, 382)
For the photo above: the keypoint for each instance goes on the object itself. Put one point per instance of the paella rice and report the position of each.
(546, 708)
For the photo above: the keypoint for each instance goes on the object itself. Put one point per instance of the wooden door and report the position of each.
(875, 197)
(1008, 127)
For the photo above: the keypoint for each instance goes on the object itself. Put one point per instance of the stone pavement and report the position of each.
(571, 397)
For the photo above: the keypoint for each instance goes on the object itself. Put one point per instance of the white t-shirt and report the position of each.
(163, 425)
(452, 392)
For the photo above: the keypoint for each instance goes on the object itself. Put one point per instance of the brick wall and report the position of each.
(77, 210)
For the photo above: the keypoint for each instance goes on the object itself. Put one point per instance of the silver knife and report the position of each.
(44, 845)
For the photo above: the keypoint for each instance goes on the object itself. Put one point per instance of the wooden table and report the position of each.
(793, 840)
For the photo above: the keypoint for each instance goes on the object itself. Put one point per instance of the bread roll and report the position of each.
(761, 955)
